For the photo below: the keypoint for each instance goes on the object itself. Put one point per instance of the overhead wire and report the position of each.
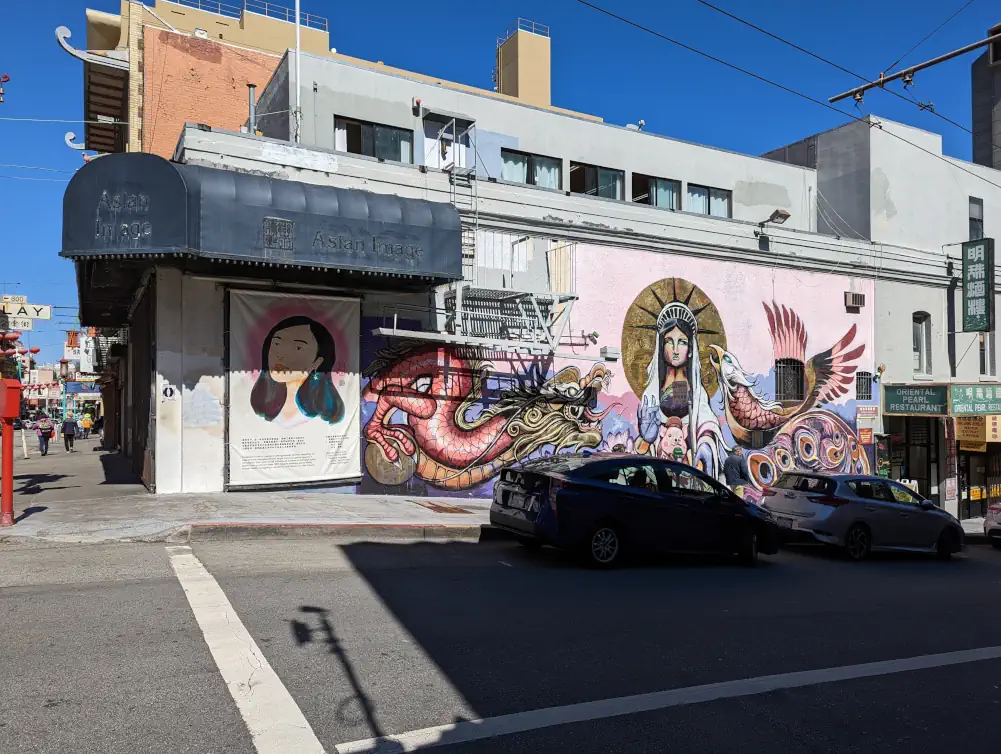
(783, 87)
(36, 167)
(62, 120)
(929, 35)
(911, 99)
(32, 178)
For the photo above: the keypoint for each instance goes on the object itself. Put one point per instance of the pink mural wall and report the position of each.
(714, 356)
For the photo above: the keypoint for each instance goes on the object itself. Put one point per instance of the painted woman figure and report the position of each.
(294, 384)
(674, 389)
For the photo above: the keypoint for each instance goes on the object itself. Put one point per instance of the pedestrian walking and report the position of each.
(735, 470)
(44, 429)
(99, 428)
(69, 432)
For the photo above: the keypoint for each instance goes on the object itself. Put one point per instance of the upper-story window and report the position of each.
(988, 360)
(976, 218)
(660, 192)
(374, 140)
(533, 169)
(790, 384)
(921, 342)
(596, 181)
(705, 200)
(863, 386)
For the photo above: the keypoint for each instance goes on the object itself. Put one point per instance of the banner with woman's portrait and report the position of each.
(294, 405)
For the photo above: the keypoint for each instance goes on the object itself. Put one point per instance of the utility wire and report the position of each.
(783, 87)
(29, 178)
(911, 99)
(928, 36)
(35, 167)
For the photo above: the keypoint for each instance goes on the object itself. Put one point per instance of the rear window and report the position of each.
(804, 483)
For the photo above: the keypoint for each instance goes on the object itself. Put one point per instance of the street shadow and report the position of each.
(316, 622)
(118, 470)
(30, 511)
(33, 484)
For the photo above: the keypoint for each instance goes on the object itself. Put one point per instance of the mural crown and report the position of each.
(677, 311)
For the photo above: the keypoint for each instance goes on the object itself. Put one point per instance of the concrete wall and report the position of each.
(190, 384)
(331, 87)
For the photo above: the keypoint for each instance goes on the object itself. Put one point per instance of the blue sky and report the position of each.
(600, 66)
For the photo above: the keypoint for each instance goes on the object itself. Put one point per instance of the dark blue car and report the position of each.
(606, 504)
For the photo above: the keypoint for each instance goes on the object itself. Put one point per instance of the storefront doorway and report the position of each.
(914, 452)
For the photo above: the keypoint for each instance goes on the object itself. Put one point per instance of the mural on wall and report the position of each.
(432, 420)
(692, 386)
(677, 362)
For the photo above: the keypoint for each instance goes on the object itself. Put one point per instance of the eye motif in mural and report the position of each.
(677, 362)
(445, 441)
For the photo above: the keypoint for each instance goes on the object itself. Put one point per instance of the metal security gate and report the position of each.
(142, 422)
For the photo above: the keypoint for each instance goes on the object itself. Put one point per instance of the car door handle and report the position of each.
(870, 510)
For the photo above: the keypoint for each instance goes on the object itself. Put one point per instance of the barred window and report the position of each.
(789, 382)
(863, 386)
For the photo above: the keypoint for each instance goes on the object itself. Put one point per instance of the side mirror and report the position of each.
(928, 505)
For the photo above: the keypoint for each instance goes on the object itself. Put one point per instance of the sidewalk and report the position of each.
(91, 496)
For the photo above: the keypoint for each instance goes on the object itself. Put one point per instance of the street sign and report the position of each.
(16, 323)
(26, 310)
(8, 299)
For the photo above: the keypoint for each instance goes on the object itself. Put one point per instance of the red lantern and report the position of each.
(34, 349)
(16, 334)
(23, 351)
(10, 351)
(12, 336)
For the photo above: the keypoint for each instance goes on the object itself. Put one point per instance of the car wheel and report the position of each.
(605, 546)
(947, 544)
(996, 543)
(858, 542)
(749, 550)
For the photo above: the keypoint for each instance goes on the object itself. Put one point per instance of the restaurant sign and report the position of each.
(978, 285)
(973, 400)
(922, 400)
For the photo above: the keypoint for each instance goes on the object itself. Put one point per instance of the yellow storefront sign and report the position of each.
(971, 429)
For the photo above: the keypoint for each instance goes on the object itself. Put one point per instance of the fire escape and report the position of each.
(487, 309)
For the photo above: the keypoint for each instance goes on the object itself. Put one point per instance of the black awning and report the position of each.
(131, 207)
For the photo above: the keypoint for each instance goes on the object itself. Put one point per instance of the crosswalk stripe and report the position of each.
(275, 722)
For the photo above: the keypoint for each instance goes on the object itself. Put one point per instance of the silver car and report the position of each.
(860, 514)
(992, 525)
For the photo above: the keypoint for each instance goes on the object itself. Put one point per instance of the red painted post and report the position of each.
(7, 471)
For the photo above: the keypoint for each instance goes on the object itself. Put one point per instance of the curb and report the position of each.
(339, 532)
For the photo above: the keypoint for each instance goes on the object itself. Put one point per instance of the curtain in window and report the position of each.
(547, 172)
(340, 135)
(719, 203)
(514, 167)
(666, 194)
(610, 183)
(698, 199)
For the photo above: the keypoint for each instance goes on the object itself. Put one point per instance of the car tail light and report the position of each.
(830, 500)
(995, 509)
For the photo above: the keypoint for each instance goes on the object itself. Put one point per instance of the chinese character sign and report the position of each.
(978, 285)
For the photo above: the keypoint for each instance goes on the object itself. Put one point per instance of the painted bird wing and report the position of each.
(829, 374)
(788, 332)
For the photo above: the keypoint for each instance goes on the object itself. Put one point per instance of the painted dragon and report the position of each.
(447, 440)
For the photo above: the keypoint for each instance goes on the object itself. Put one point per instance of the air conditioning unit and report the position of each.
(854, 300)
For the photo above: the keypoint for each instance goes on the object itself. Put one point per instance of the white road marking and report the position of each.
(274, 720)
(505, 564)
(520, 722)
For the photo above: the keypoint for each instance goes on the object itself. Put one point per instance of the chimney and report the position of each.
(523, 63)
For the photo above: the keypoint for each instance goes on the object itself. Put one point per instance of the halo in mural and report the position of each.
(639, 329)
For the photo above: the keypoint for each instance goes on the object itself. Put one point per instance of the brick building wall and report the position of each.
(192, 80)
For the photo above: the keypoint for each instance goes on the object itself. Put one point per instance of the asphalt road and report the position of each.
(103, 652)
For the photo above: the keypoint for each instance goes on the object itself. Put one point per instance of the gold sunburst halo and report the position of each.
(639, 334)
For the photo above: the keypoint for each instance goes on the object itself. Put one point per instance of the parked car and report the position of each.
(607, 504)
(860, 514)
(18, 424)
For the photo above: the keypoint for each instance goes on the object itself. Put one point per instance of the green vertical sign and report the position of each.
(978, 285)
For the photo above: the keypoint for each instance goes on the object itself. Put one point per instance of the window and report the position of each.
(869, 490)
(863, 386)
(976, 218)
(686, 482)
(988, 362)
(658, 192)
(373, 140)
(533, 169)
(921, 329)
(789, 383)
(903, 495)
(595, 181)
(803, 483)
(637, 477)
(705, 200)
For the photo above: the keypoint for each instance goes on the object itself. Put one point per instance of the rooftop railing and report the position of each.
(257, 7)
(523, 24)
